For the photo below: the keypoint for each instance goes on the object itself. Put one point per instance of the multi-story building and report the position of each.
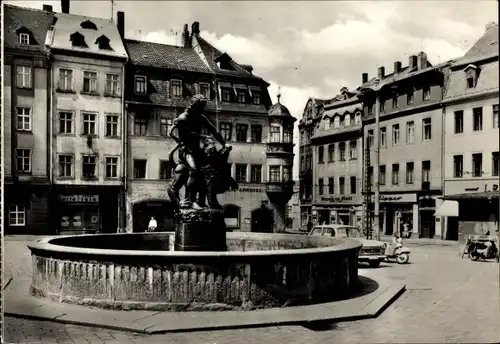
(161, 79)
(86, 122)
(411, 122)
(26, 100)
(338, 161)
(293, 209)
(310, 117)
(471, 141)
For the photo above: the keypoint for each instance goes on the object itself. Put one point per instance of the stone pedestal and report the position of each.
(200, 230)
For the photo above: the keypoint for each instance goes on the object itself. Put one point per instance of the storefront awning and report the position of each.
(447, 208)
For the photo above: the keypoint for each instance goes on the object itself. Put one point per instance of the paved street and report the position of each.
(447, 300)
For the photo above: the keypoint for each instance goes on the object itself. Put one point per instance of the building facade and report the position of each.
(161, 79)
(26, 99)
(471, 142)
(86, 123)
(338, 162)
(410, 138)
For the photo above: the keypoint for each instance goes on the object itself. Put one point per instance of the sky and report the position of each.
(307, 48)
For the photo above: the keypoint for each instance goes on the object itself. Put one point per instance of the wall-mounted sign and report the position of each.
(79, 198)
(401, 198)
(250, 190)
(453, 187)
(337, 199)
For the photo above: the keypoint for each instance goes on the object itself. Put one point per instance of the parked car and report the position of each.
(372, 252)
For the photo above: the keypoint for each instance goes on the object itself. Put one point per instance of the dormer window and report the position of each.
(176, 87)
(336, 122)
(140, 84)
(103, 43)
(241, 96)
(471, 76)
(224, 62)
(347, 121)
(88, 25)
(78, 40)
(357, 118)
(256, 98)
(226, 95)
(205, 89)
(24, 38)
(327, 123)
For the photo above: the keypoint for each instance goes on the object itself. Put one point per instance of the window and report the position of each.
(370, 109)
(458, 166)
(65, 166)
(288, 134)
(176, 86)
(256, 174)
(327, 123)
(89, 166)
(140, 84)
(357, 119)
(395, 102)
(140, 168)
(410, 172)
(477, 115)
(341, 185)
(89, 124)
(427, 129)
(65, 122)
(65, 79)
(336, 122)
(370, 175)
(78, 40)
(274, 173)
(256, 98)
(426, 93)
(321, 154)
(426, 171)
(111, 125)
(347, 121)
(302, 163)
(477, 165)
(205, 90)
(331, 152)
(409, 97)
(395, 134)
(382, 105)
(89, 82)
(112, 84)
(470, 74)
(226, 95)
(23, 119)
(241, 132)
(17, 215)
(342, 151)
(381, 176)
(256, 132)
(23, 159)
(103, 42)
(353, 150)
(495, 163)
(23, 77)
(111, 167)
(241, 97)
(383, 137)
(331, 186)
(165, 125)
(370, 138)
(459, 122)
(410, 132)
(495, 116)
(165, 170)
(287, 174)
(395, 174)
(320, 186)
(353, 185)
(226, 130)
(274, 133)
(140, 126)
(241, 173)
(24, 38)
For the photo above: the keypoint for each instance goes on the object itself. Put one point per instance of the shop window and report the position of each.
(17, 215)
(232, 216)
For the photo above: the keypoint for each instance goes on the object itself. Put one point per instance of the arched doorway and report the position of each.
(162, 210)
(262, 220)
(232, 216)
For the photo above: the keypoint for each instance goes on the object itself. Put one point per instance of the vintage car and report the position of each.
(372, 252)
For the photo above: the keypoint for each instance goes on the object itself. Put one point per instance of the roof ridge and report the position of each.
(149, 42)
(82, 16)
(28, 8)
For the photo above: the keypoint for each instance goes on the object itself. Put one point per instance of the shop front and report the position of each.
(85, 209)
(398, 210)
(345, 210)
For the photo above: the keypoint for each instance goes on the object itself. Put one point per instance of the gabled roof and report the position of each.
(69, 24)
(36, 21)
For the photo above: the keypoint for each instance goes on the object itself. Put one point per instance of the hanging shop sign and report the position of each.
(79, 198)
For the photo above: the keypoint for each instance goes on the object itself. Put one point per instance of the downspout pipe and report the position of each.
(124, 165)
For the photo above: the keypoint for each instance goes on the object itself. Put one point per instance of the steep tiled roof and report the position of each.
(36, 21)
(68, 24)
(164, 56)
(487, 44)
(279, 109)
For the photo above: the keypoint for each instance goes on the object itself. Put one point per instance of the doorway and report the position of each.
(427, 224)
(163, 212)
(262, 220)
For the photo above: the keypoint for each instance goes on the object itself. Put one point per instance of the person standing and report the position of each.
(152, 224)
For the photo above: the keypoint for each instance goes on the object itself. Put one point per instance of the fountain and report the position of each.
(200, 266)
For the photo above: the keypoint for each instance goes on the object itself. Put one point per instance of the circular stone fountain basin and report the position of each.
(142, 271)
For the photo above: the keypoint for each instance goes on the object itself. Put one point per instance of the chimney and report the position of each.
(120, 23)
(186, 42)
(381, 73)
(65, 6)
(422, 60)
(397, 67)
(47, 8)
(195, 28)
(364, 78)
(412, 63)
